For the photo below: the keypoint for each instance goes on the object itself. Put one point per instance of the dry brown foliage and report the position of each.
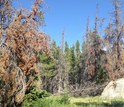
(19, 55)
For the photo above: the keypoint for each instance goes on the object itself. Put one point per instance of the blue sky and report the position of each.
(70, 16)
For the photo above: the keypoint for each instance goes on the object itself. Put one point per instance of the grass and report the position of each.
(97, 102)
(52, 101)
(65, 101)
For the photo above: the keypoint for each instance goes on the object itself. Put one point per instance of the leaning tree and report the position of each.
(19, 52)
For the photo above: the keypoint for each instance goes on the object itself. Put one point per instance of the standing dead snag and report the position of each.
(18, 66)
(114, 43)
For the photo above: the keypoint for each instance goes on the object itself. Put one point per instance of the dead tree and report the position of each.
(19, 54)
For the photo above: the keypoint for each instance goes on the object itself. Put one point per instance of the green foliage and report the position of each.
(72, 56)
(55, 51)
(36, 78)
(52, 101)
(64, 99)
(101, 76)
(78, 50)
(34, 94)
(49, 62)
(97, 102)
(60, 101)
(67, 51)
(48, 65)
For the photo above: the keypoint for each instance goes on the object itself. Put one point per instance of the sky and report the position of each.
(70, 16)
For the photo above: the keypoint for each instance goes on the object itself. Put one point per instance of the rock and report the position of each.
(115, 89)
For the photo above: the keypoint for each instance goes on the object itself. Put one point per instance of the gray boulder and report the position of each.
(115, 89)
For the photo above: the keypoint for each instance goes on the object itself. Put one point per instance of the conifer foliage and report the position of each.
(19, 53)
(26, 53)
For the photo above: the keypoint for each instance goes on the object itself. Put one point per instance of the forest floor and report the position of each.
(65, 101)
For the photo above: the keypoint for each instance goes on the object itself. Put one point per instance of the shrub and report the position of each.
(64, 99)
(33, 95)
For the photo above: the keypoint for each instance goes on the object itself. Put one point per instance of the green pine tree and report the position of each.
(78, 52)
